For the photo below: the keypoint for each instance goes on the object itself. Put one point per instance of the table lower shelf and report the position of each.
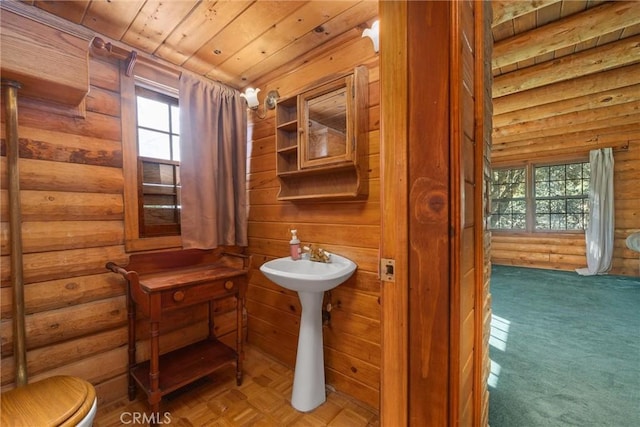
(185, 365)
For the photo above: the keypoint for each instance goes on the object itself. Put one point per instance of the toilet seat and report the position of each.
(55, 401)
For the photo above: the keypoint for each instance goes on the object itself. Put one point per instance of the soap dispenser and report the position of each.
(294, 245)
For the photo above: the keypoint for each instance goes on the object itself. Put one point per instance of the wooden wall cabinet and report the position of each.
(321, 144)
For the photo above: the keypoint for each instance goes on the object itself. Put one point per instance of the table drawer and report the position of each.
(189, 295)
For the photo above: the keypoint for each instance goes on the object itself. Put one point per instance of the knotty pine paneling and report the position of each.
(349, 228)
(469, 353)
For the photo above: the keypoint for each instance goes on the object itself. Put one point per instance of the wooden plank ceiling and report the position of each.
(233, 41)
(537, 44)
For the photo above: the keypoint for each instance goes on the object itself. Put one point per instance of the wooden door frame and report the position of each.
(394, 387)
(400, 113)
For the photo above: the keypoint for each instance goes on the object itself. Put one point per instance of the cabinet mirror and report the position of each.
(326, 132)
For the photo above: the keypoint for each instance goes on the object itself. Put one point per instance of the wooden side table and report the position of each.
(160, 282)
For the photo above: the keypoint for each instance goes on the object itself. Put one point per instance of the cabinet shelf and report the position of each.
(291, 126)
(324, 170)
(182, 366)
(340, 184)
(288, 150)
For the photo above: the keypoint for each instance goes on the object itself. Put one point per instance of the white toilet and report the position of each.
(55, 401)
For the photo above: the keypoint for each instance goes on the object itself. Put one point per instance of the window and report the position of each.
(508, 199)
(562, 196)
(156, 87)
(158, 142)
(541, 197)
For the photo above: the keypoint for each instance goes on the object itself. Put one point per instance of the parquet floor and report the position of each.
(263, 400)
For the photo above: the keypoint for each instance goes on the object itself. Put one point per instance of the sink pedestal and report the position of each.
(308, 381)
(310, 280)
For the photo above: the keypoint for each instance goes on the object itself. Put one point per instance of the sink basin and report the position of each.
(308, 276)
(310, 279)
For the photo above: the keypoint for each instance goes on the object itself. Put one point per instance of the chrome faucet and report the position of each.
(317, 254)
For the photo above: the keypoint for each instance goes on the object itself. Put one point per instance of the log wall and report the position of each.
(349, 228)
(563, 120)
(72, 187)
(76, 313)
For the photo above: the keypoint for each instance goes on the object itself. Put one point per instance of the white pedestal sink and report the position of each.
(310, 279)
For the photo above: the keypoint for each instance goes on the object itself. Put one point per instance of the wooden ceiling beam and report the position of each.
(504, 11)
(601, 58)
(588, 85)
(569, 31)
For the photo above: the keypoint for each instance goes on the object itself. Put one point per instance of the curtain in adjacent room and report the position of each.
(599, 233)
(213, 148)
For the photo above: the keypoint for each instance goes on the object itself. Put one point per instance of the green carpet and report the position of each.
(565, 349)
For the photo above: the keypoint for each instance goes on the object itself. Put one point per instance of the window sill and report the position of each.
(153, 243)
(523, 233)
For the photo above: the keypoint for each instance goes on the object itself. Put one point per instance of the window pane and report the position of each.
(585, 186)
(542, 189)
(519, 206)
(153, 114)
(160, 198)
(557, 173)
(575, 221)
(543, 221)
(556, 188)
(519, 221)
(543, 206)
(558, 222)
(574, 187)
(542, 173)
(558, 206)
(175, 119)
(176, 147)
(153, 144)
(574, 206)
(520, 190)
(574, 171)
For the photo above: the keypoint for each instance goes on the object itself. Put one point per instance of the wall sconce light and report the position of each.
(374, 34)
(251, 95)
